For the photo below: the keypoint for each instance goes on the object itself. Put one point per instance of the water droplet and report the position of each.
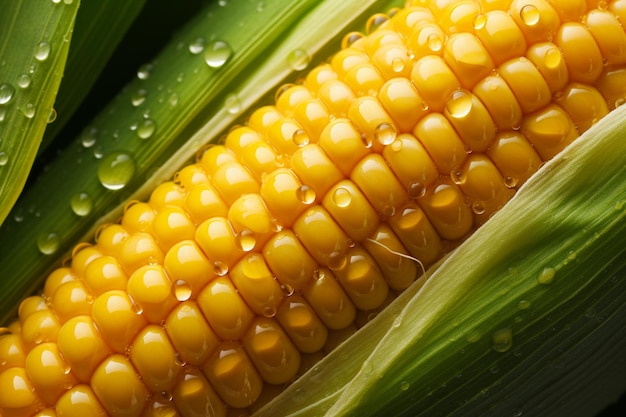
(397, 64)
(416, 190)
(300, 138)
(552, 58)
(42, 51)
(146, 128)
(460, 104)
(318, 274)
(3, 113)
(220, 268)
(337, 260)
(4, 158)
(269, 311)
(217, 53)
(546, 276)
(287, 290)
(56, 1)
(222, 3)
(197, 46)
(389, 210)
(143, 72)
(473, 336)
(397, 322)
(89, 137)
(375, 21)
(298, 59)
(434, 42)
(620, 101)
(342, 197)
(523, 305)
(48, 243)
(53, 116)
(306, 194)
(480, 21)
(81, 204)
(350, 38)
(181, 290)
(6, 93)
(530, 15)
(385, 134)
(173, 100)
(116, 170)
(510, 182)
(23, 81)
(138, 97)
(246, 240)
(404, 385)
(502, 340)
(232, 103)
(260, 6)
(456, 175)
(478, 208)
(29, 110)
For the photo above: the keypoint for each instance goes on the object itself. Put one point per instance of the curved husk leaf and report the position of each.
(34, 43)
(527, 317)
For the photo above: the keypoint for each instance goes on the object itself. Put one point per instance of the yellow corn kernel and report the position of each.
(351, 210)
(227, 313)
(275, 357)
(57, 278)
(519, 73)
(280, 136)
(256, 285)
(195, 397)
(82, 256)
(217, 240)
(313, 116)
(138, 250)
(11, 351)
(48, 372)
(584, 105)
(457, 16)
(190, 176)
(31, 304)
(290, 97)
(336, 96)
(82, 346)
(515, 158)
(550, 62)
(471, 119)
(445, 205)
(416, 233)
(232, 180)
(609, 34)
(118, 319)
(494, 92)
(151, 291)
(468, 58)
(104, 274)
(70, 300)
(138, 217)
(152, 355)
(329, 301)
(172, 225)
(403, 103)
(441, 141)
(425, 39)
(302, 325)
(203, 202)
(383, 190)
(289, 260)
(188, 269)
(17, 395)
(190, 334)
(80, 400)
(342, 142)
(233, 376)
(500, 35)
(549, 130)
(41, 326)
(364, 79)
(118, 387)
(111, 238)
(318, 76)
(316, 171)
(434, 80)
(582, 55)
(167, 194)
(612, 86)
(536, 18)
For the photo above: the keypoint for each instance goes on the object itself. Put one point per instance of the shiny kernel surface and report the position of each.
(304, 222)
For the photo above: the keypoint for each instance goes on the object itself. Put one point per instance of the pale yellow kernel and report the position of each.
(48, 372)
(527, 83)
(138, 217)
(320, 235)
(166, 194)
(467, 58)
(434, 81)
(119, 388)
(149, 287)
(105, 274)
(501, 36)
(138, 250)
(549, 130)
(583, 57)
(117, 319)
(515, 157)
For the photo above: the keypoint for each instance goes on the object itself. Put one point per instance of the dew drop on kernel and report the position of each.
(416, 189)
(397, 64)
(456, 176)
(181, 290)
(337, 260)
(217, 53)
(460, 104)
(287, 290)
(546, 276)
(552, 58)
(48, 243)
(300, 138)
(510, 182)
(502, 340)
(116, 170)
(306, 194)
(298, 59)
(6, 93)
(434, 42)
(385, 134)
(232, 103)
(81, 204)
(246, 240)
(530, 15)
(42, 51)
(389, 210)
(342, 197)
(23, 81)
(146, 128)
(197, 45)
(350, 38)
(480, 21)
(220, 268)
(478, 208)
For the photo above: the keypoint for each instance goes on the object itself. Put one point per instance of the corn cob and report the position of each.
(259, 258)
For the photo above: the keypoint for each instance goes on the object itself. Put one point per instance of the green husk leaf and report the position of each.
(532, 326)
(100, 26)
(34, 43)
(181, 95)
